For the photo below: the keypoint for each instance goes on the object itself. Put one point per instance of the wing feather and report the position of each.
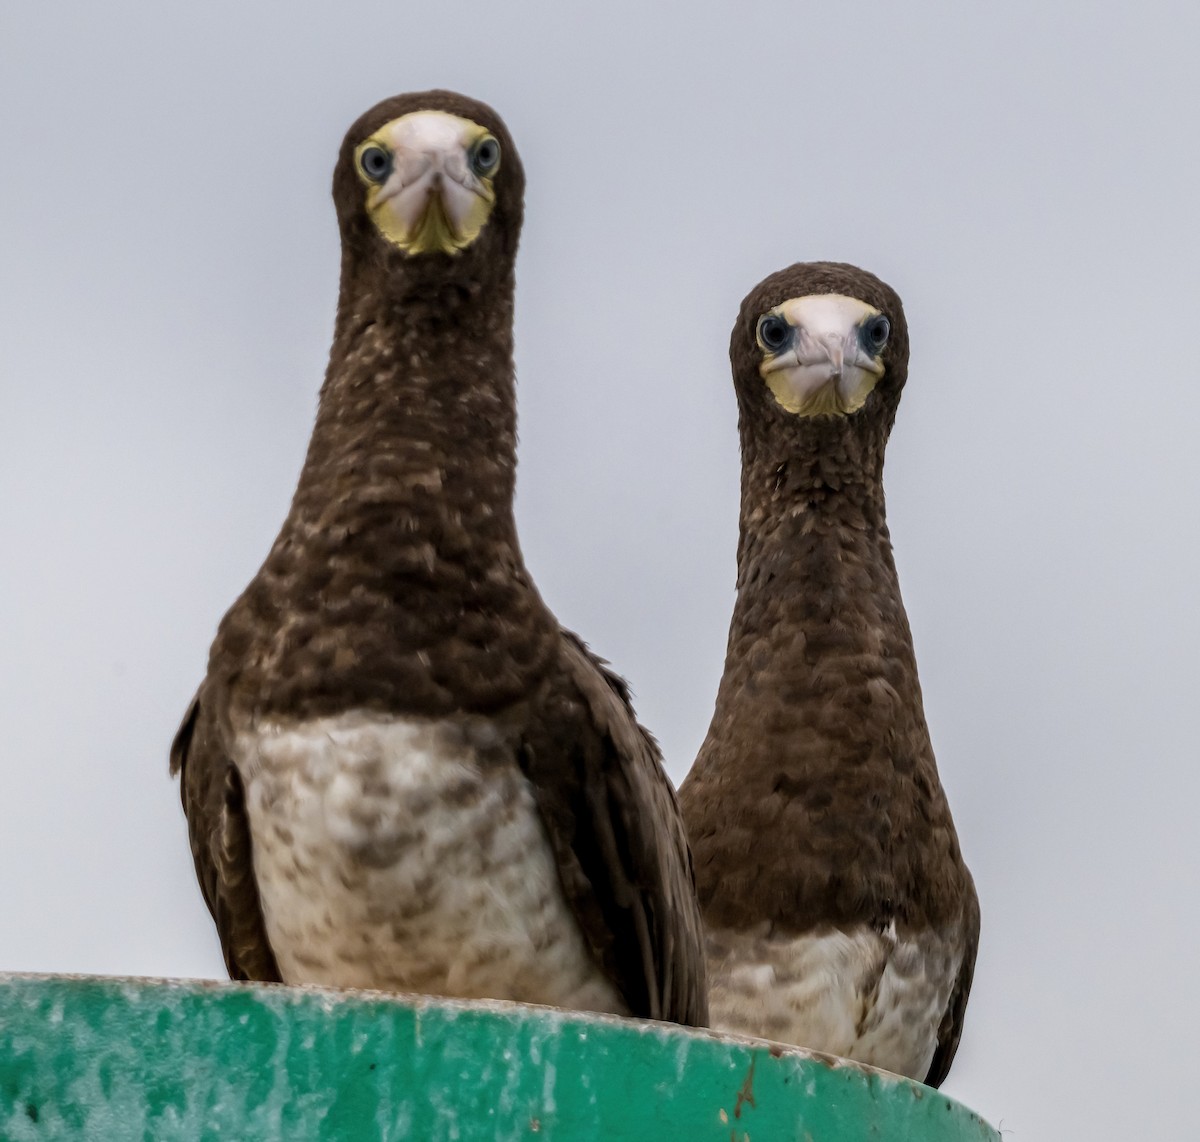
(219, 830)
(950, 1031)
(615, 827)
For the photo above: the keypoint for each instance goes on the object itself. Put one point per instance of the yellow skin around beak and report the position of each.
(824, 369)
(433, 195)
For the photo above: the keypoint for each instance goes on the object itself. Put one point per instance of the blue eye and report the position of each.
(873, 333)
(773, 332)
(485, 156)
(375, 163)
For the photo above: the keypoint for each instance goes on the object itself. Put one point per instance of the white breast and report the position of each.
(861, 994)
(408, 855)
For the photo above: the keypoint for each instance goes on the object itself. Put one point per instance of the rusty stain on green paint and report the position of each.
(746, 1094)
(114, 1059)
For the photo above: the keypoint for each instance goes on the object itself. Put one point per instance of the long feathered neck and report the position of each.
(416, 429)
(397, 581)
(811, 476)
(816, 577)
(818, 740)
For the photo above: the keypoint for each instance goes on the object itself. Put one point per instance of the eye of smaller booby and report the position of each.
(485, 156)
(376, 163)
(874, 333)
(773, 332)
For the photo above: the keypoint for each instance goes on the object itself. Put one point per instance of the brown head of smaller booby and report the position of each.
(820, 355)
(430, 181)
(821, 340)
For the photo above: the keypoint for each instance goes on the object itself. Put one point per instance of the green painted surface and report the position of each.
(111, 1059)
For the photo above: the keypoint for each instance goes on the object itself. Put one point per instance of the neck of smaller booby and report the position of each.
(809, 476)
(814, 551)
(818, 728)
(814, 554)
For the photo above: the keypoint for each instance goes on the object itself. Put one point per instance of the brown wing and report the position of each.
(618, 837)
(214, 804)
(952, 1021)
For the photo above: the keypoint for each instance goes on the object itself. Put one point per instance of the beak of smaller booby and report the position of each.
(430, 180)
(823, 354)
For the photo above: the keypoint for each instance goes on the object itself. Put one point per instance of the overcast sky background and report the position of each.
(1026, 175)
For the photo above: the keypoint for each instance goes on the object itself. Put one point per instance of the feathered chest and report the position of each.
(408, 855)
(865, 994)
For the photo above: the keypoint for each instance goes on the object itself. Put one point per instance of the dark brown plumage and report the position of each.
(396, 601)
(814, 807)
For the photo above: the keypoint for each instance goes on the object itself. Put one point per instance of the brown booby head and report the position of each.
(819, 352)
(429, 186)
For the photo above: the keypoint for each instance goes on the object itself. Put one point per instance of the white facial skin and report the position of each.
(435, 195)
(825, 367)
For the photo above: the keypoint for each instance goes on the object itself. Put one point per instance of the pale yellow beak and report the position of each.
(428, 192)
(825, 367)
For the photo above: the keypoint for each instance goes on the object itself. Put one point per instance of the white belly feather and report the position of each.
(392, 854)
(862, 994)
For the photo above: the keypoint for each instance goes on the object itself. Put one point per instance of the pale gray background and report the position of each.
(1025, 174)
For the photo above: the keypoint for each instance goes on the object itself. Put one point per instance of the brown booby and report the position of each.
(839, 913)
(400, 772)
